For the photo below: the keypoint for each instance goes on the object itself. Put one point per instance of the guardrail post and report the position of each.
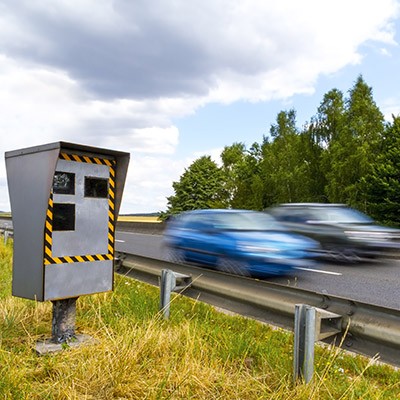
(310, 325)
(5, 236)
(171, 281)
(303, 360)
(166, 286)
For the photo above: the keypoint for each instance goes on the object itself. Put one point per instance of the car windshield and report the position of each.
(245, 221)
(341, 215)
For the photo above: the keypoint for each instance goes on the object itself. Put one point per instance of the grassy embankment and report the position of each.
(198, 354)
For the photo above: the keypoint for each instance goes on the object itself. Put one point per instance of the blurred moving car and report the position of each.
(242, 242)
(345, 234)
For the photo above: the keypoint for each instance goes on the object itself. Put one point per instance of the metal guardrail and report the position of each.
(369, 329)
(147, 228)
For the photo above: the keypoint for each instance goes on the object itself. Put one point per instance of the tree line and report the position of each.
(347, 153)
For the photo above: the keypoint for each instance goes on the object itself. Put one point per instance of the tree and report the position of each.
(355, 148)
(325, 129)
(383, 182)
(200, 186)
(285, 166)
(329, 121)
(312, 154)
(233, 161)
(242, 173)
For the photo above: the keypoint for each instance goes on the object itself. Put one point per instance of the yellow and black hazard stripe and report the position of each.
(111, 211)
(48, 232)
(87, 159)
(48, 258)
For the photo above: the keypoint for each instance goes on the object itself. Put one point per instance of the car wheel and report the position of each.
(230, 266)
(175, 255)
(348, 256)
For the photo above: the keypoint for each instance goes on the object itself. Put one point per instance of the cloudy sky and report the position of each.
(172, 80)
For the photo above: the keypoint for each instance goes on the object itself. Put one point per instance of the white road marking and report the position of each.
(319, 271)
(122, 241)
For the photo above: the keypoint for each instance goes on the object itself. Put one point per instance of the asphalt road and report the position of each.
(373, 283)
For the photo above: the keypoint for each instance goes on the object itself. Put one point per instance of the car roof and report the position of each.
(311, 205)
(216, 210)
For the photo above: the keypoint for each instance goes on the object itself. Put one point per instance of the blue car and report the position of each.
(242, 242)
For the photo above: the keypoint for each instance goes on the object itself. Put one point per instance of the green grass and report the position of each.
(198, 354)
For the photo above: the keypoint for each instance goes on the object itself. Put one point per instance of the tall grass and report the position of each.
(198, 354)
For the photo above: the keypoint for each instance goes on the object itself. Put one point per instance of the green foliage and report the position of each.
(290, 163)
(283, 167)
(200, 186)
(355, 148)
(243, 178)
(329, 121)
(234, 167)
(383, 182)
(325, 129)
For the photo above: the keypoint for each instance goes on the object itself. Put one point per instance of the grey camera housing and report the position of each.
(65, 200)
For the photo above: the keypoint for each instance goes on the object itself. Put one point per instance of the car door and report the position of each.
(201, 240)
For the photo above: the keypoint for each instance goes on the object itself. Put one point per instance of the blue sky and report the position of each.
(248, 122)
(170, 81)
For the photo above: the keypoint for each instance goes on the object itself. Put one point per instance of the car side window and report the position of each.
(198, 223)
(295, 216)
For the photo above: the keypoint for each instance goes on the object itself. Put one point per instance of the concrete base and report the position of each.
(47, 346)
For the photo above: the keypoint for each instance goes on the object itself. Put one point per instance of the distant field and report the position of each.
(138, 218)
(127, 218)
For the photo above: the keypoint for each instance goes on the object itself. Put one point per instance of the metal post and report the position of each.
(299, 327)
(171, 281)
(308, 366)
(167, 285)
(63, 323)
(5, 236)
(304, 338)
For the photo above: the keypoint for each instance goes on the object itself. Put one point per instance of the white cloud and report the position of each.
(41, 106)
(154, 140)
(150, 181)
